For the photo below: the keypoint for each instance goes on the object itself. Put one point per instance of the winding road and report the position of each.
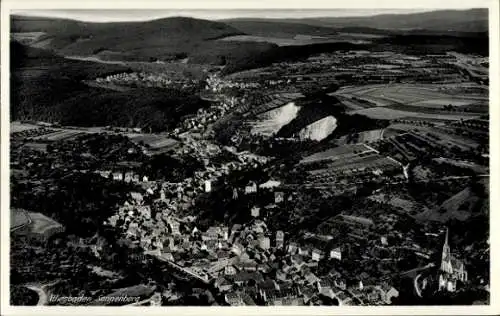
(415, 285)
(40, 289)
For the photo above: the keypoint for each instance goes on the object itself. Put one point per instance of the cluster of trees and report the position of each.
(70, 102)
(434, 44)
(97, 149)
(20, 295)
(248, 55)
(170, 168)
(81, 202)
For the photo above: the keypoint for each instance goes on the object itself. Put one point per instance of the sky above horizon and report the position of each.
(107, 15)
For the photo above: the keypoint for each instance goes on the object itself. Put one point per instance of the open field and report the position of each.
(370, 136)
(154, 141)
(448, 140)
(356, 164)
(63, 135)
(439, 103)
(460, 207)
(360, 35)
(363, 137)
(352, 105)
(27, 37)
(18, 219)
(42, 224)
(408, 142)
(472, 108)
(413, 95)
(59, 135)
(384, 113)
(394, 201)
(341, 152)
(439, 138)
(33, 133)
(16, 127)
(271, 101)
(36, 146)
(463, 164)
(401, 127)
(298, 40)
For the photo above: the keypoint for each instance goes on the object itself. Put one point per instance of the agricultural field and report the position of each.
(352, 105)
(298, 40)
(372, 161)
(36, 146)
(363, 137)
(18, 218)
(472, 108)
(470, 88)
(385, 113)
(445, 139)
(395, 201)
(27, 37)
(439, 103)
(42, 224)
(399, 128)
(32, 133)
(268, 102)
(59, 135)
(436, 120)
(154, 141)
(408, 142)
(338, 153)
(16, 127)
(463, 164)
(460, 207)
(413, 96)
(417, 126)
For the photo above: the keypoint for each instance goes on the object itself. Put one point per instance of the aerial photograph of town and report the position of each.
(279, 157)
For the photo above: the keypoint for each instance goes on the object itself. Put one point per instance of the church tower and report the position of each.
(446, 256)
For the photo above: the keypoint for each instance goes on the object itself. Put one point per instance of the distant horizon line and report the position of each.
(133, 15)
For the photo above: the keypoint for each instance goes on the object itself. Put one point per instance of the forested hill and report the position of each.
(49, 88)
(460, 21)
(163, 39)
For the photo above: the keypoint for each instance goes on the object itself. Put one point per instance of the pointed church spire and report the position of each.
(446, 255)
